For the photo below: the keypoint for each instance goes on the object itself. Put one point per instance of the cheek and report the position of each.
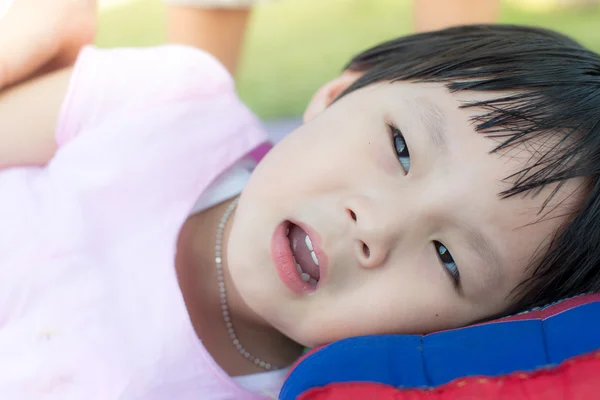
(318, 160)
(398, 304)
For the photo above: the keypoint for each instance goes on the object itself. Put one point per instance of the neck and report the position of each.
(198, 280)
(204, 244)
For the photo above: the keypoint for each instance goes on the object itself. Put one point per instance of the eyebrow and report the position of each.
(485, 249)
(433, 121)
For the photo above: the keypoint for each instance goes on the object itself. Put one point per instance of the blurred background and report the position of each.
(292, 47)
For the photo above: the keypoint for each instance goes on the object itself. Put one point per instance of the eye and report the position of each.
(400, 147)
(447, 261)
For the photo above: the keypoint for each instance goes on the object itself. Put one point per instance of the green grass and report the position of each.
(294, 46)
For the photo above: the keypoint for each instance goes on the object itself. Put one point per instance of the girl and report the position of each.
(144, 255)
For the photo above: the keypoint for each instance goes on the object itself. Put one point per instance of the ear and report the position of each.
(328, 93)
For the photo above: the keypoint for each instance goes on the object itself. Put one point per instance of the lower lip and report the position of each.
(284, 264)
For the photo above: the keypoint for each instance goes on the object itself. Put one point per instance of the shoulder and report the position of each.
(107, 83)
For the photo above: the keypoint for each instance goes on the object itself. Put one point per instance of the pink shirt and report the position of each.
(90, 307)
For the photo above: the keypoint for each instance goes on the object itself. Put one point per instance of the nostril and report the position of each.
(352, 214)
(365, 250)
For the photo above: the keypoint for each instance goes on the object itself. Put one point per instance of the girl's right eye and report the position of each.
(400, 147)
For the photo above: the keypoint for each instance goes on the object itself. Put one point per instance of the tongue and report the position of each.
(301, 253)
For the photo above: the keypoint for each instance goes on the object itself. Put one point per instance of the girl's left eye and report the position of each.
(400, 147)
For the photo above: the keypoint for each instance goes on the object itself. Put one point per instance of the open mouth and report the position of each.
(303, 254)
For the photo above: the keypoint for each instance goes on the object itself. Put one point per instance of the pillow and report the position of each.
(575, 379)
(539, 339)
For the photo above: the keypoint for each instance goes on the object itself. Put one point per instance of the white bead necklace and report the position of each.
(223, 293)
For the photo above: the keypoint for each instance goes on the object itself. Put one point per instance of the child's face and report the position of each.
(390, 232)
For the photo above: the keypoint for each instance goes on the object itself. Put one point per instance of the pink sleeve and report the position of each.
(114, 83)
(144, 130)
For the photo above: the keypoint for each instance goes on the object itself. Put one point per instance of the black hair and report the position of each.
(549, 87)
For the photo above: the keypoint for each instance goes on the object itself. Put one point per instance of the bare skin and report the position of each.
(434, 14)
(37, 37)
(39, 42)
(221, 32)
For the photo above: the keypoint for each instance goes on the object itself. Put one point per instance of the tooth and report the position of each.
(314, 257)
(299, 268)
(295, 245)
(313, 281)
(308, 243)
(287, 231)
(305, 277)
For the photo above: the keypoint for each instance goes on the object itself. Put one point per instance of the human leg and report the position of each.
(438, 14)
(218, 27)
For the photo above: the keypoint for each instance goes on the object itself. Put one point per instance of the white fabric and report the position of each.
(227, 185)
(259, 383)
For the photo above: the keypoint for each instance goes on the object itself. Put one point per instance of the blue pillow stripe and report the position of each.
(492, 349)
(573, 332)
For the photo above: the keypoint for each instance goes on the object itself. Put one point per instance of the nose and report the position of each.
(372, 233)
